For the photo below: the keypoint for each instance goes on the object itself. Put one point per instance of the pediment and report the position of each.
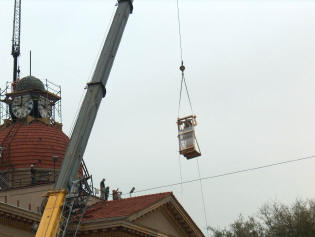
(161, 221)
(167, 217)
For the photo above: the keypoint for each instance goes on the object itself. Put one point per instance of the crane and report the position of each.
(15, 52)
(70, 194)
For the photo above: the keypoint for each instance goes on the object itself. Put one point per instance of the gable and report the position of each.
(159, 214)
(160, 221)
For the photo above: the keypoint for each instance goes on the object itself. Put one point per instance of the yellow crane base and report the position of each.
(51, 216)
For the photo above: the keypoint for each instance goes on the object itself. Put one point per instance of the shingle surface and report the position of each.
(34, 143)
(122, 207)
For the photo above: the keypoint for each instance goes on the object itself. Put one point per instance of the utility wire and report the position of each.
(227, 174)
(181, 176)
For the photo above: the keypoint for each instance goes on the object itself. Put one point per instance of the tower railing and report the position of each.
(57, 109)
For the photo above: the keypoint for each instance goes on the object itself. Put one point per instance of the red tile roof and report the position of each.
(33, 143)
(123, 207)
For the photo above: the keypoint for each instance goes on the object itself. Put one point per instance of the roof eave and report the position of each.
(182, 212)
(19, 212)
(100, 225)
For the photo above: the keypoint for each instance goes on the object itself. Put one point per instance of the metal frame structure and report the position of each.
(16, 37)
(75, 205)
(188, 144)
(57, 108)
(4, 107)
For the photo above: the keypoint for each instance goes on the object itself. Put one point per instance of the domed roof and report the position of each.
(30, 82)
(34, 143)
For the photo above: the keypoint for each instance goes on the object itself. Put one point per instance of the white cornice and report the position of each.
(19, 212)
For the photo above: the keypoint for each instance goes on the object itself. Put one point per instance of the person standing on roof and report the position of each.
(106, 193)
(33, 171)
(115, 194)
(102, 187)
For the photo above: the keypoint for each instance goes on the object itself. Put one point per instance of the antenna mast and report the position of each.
(16, 37)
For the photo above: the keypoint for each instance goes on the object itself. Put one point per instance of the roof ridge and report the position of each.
(142, 196)
(123, 207)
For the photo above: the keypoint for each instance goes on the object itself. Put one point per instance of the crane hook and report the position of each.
(182, 67)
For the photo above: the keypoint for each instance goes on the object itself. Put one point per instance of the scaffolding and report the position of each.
(4, 107)
(53, 93)
(56, 108)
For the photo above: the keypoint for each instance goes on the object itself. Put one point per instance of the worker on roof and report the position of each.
(33, 171)
(102, 187)
(115, 194)
(106, 193)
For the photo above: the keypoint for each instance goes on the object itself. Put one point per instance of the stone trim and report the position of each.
(17, 217)
(104, 226)
(19, 213)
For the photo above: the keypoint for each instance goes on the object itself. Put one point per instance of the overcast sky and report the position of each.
(250, 71)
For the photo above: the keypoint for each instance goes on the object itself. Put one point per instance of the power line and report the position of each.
(227, 174)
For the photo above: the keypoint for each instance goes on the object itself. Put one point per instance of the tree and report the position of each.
(274, 220)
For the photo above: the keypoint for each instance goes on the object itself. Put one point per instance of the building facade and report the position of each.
(32, 148)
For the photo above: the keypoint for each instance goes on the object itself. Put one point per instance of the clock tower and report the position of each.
(31, 100)
(31, 136)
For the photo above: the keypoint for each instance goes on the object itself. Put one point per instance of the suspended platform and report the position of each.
(188, 145)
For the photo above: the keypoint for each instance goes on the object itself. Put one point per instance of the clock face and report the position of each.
(22, 106)
(44, 107)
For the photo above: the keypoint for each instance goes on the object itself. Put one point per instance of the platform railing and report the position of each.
(23, 178)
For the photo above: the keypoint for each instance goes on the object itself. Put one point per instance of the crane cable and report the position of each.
(182, 67)
(180, 93)
(183, 81)
(202, 198)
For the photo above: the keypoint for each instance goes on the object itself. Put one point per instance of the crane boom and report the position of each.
(95, 92)
(15, 52)
(84, 123)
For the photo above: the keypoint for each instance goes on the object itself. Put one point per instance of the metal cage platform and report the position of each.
(188, 145)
